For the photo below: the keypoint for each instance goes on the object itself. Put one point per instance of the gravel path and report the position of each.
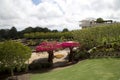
(41, 55)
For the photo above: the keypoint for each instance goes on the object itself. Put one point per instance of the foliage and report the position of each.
(65, 30)
(80, 55)
(13, 33)
(99, 20)
(95, 36)
(5, 69)
(13, 54)
(32, 42)
(55, 30)
(106, 50)
(38, 65)
(8, 34)
(48, 35)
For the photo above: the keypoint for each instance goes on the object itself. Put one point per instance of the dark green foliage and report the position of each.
(99, 20)
(65, 30)
(38, 65)
(13, 54)
(36, 29)
(6, 70)
(54, 30)
(81, 54)
(13, 33)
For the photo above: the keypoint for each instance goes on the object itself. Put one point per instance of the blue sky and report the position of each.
(36, 2)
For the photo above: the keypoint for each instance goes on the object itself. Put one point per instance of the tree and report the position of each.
(2, 33)
(28, 30)
(65, 30)
(70, 45)
(49, 47)
(55, 30)
(99, 20)
(13, 54)
(13, 33)
(37, 29)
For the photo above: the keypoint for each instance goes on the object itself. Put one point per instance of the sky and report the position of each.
(55, 14)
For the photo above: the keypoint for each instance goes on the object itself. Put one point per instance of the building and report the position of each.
(92, 23)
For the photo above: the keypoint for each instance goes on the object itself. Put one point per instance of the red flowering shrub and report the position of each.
(48, 46)
(51, 46)
(70, 44)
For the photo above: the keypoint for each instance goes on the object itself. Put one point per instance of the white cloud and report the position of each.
(55, 14)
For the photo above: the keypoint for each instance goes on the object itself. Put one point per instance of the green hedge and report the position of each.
(49, 35)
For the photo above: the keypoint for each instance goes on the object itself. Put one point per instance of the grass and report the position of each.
(91, 69)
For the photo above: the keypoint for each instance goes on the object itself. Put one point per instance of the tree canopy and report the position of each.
(99, 20)
(13, 54)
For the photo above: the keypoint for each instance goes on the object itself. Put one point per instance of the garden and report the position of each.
(93, 52)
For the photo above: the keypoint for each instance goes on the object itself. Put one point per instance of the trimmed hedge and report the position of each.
(48, 35)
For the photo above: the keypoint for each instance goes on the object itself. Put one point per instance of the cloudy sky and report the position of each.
(55, 14)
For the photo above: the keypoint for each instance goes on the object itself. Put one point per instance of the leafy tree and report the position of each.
(55, 30)
(99, 20)
(46, 30)
(28, 30)
(50, 47)
(2, 33)
(37, 29)
(65, 30)
(13, 54)
(13, 33)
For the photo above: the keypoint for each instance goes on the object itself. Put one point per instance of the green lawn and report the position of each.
(93, 69)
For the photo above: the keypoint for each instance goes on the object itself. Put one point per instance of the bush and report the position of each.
(92, 37)
(48, 35)
(106, 50)
(80, 55)
(13, 55)
(38, 65)
(5, 70)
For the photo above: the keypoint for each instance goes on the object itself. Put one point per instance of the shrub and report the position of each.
(92, 37)
(5, 70)
(38, 65)
(48, 35)
(81, 54)
(106, 50)
(13, 54)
